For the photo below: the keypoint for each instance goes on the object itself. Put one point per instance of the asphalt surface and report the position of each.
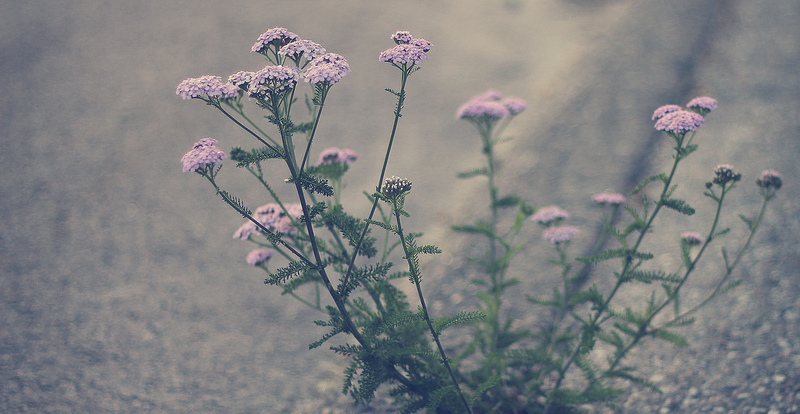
(122, 291)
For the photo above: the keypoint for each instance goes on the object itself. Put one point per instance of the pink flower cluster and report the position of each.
(691, 238)
(560, 234)
(770, 178)
(679, 122)
(675, 120)
(208, 86)
(724, 174)
(278, 35)
(660, 112)
(273, 218)
(490, 105)
(302, 48)
(328, 68)
(547, 215)
(203, 153)
(274, 80)
(337, 156)
(702, 105)
(256, 257)
(409, 50)
(609, 198)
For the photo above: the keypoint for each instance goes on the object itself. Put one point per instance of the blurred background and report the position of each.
(122, 291)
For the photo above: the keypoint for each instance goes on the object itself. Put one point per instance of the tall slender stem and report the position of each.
(415, 276)
(401, 96)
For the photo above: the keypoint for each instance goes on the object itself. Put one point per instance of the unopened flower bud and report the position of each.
(691, 238)
(769, 179)
(724, 174)
(395, 187)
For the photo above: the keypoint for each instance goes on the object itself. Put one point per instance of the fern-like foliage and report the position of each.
(350, 227)
(358, 276)
(312, 184)
(294, 268)
(616, 253)
(236, 203)
(314, 211)
(255, 155)
(473, 173)
(678, 205)
(660, 177)
(462, 318)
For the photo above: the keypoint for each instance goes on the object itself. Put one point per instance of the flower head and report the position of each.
(515, 105)
(423, 44)
(770, 178)
(278, 36)
(328, 68)
(724, 174)
(547, 215)
(679, 122)
(403, 54)
(490, 106)
(241, 78)
(256, 257)
(395, 187)
(302, 48)
(337, 156)
(609, 198)
(402, 37)
(560, 234)
(691, 238)
(274, 80)
(203, 153)
(475, 109)
(660, 112)
(273, 218)
(205, 86)
(702, 105)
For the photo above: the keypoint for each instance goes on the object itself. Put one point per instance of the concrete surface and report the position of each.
(121, 290)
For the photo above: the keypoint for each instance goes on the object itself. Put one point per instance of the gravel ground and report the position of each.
(120, 289)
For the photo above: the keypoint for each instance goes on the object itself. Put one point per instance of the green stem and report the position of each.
(642, 331)
(415, 275)
(401, 96)
(728, 271)
(595, 318)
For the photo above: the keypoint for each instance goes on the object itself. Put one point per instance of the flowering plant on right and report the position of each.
(315, 252)
(559, 367)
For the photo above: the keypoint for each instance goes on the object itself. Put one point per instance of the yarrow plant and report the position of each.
(314, 251)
